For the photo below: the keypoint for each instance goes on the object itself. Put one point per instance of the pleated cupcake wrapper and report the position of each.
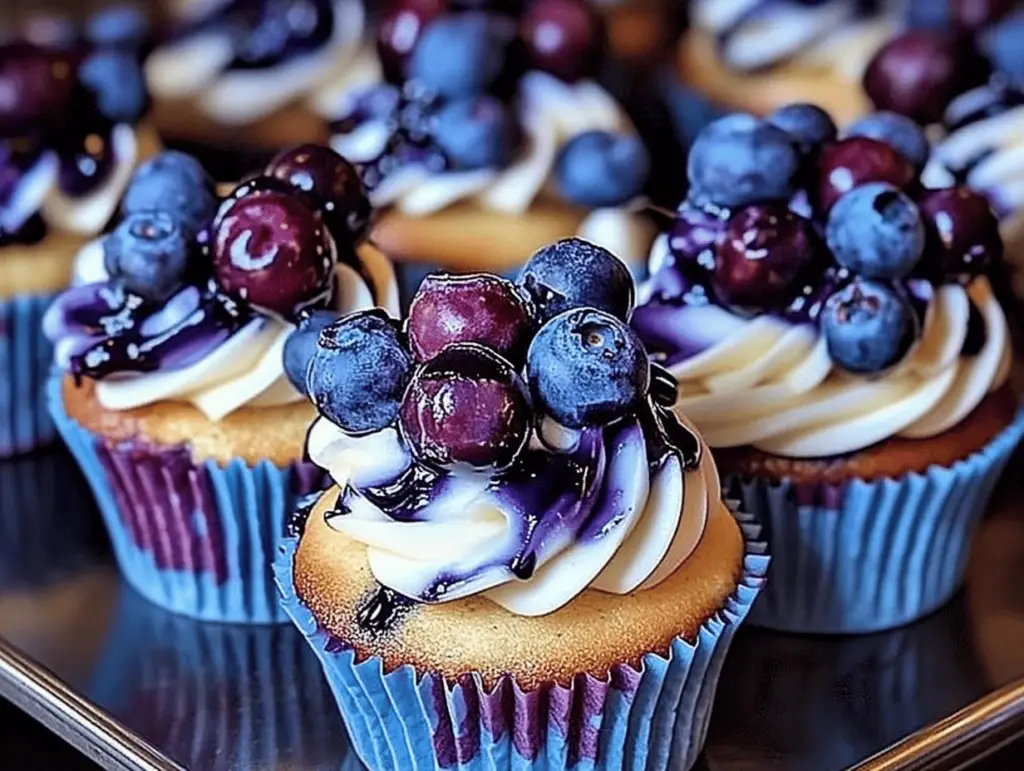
(211, 694)
(654, 717)
(866, 556)
(25, 359)
(195, 538)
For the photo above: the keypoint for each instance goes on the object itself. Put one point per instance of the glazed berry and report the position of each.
(1002, 44)
(602, 168)
(477, 132)
(739, 159)
(300, 348)
(176, 183)
(973, 15)
(876, 230)
(763, 254)
(476, 308)
(810, 125)
(461, 55)
(270, 249)
(466, 407)
(114, 78)
(897, 131)
(359, 372)
(695, 233)
(148, 253)
(335, 184)
(573, 273)
(37, 85)
(918, 73)
(851, 162)
(587, 368)
(124, 26)
(868, 326)
(401, 27)
(962, 232)
(562, 37)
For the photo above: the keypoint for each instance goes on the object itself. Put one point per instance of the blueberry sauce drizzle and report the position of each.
(382, 609)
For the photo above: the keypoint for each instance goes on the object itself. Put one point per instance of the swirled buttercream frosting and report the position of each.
(511, 440)
(194, 299)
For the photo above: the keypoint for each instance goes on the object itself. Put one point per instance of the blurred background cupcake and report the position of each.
(72, 128)
(170, 387)
(836, 337)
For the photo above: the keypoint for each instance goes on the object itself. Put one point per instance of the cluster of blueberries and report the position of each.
(785, 217)
(480, 359)
(453, 69)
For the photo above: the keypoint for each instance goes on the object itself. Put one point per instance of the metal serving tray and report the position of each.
(134, 687)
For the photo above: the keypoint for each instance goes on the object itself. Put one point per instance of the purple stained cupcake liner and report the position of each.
(867, 556)
(25, 359)
(654, 717)
(196, 538)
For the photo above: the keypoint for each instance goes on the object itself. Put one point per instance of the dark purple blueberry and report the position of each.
(401, 27)
(918, 73)
(86, 161)
(897, 131)
(478, 132)
(695, 233)
(270, 248)
(587, 368)
(466, 407)
(333, 182)
(851, 162)
(973, 15)
(562, 37)
(148, 252)
(461, 55)
(868, 326)
(301, 345)
(602, 168)
(810, 125)
(475, 308)
(764, 253)
(359, 372)
(36, 86)
(962, 232)
(1003, 44)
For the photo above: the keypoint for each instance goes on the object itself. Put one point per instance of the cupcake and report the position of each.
(238, 72)
(525, 557)
(485, 136)
(69, 138)
(170, 386)
(836, 338)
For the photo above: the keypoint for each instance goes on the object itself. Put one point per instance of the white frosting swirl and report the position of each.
(248, 369)
(658, 521)
(197, 67)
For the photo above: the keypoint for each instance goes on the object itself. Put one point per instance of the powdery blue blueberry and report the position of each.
(1002, 43)
(573, 273)
(359, 372)
(176, 183)
(115, 79)
(587, 368)
(877, 231)
(300, 347)
(808, 124)
(117, 25)
(476, 133)
(868, 326)
(897, 131)
(461, 55)
(739, 160)
(602, 168)
(148, 252)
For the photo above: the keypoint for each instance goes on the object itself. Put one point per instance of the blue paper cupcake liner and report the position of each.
(868, 556)
(654, 717)
(195, 538)
(25, 359)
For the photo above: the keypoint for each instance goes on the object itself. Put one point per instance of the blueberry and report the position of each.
(115, 79)
(877, 231)
(573, 273)
(300, 347)
(1002, 44)
(808, 124)
(117, 25)
(739, 160)
(359, 372)
(602, 168)
(477, 132)
(897, 131)
(927, 14)
(148, 252)
(587, 368)
(868, 326)
(461, 55)
(176, 183)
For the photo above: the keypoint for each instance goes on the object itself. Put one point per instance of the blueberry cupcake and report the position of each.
(170, 386)
(485, 135)
(70, 135)
(836, 338)
(519, 526)
(239, 72)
